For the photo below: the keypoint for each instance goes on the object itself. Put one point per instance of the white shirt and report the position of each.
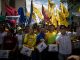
(65, 46)
(20, 38)
(2, 36)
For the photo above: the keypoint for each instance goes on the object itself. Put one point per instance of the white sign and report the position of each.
(53, 48)
(41, 46)
(4, 53)
(26, 51)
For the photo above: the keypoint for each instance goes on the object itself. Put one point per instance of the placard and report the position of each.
(4, 53)
(53, 48)
(26, 51)
(41, 46)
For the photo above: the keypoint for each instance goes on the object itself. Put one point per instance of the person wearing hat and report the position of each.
(64, 42)
(19, 36)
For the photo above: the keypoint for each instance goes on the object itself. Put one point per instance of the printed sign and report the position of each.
(4, 53)
(41, 46)
(26, 51)
(53, 47)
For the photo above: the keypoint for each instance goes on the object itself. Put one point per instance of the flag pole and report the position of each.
(31, 12)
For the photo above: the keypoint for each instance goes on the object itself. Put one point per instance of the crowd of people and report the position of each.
(31, 36)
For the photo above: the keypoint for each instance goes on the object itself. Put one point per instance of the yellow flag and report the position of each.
(34, 16)
(63, 21)
(51, 6)
(60, 19)
(53, 20)
(64, 10)
(61, 7)
(63, 14)
(47, 13)
(36, 10)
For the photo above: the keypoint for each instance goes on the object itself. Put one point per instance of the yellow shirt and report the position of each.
(50, 36)
(30, 40)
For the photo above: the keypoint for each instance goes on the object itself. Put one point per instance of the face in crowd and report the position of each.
(42, 30)
(63, 29)
(51, 28)
(31, 31)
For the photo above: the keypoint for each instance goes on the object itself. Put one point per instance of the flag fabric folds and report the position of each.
(10, 11)
(36, 10)
(22, 19)
(50, 6)
(45, 14)
(54, 20)
(64, 10)
(48, 15)
(60, 19)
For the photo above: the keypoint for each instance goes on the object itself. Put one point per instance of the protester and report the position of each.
(40, 39)
(41, 35)
(10, 43)
(31, 36)
(30, 41)
(1, 35)
(51, 39)
(51, 34)
(19, 36)
(64, 42)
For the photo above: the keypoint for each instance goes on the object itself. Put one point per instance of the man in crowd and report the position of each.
(64, 42)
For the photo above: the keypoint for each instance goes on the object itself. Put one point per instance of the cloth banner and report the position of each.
(26, 51)
(4, 53)
(41, 46)
(53, 48)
